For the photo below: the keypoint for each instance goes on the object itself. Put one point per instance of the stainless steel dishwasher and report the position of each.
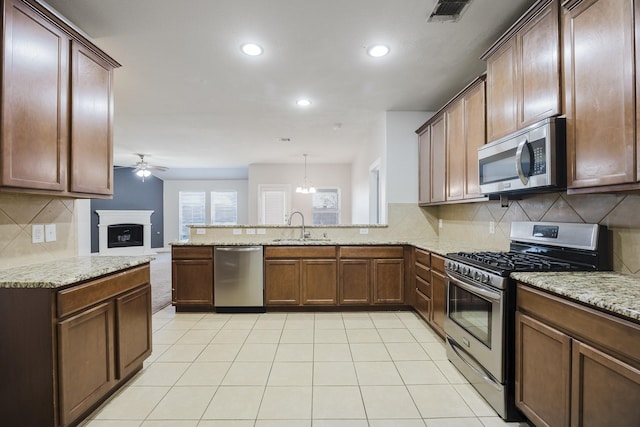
(238, 280)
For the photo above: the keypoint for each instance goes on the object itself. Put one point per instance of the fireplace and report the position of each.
(125, 235)
(124, 232)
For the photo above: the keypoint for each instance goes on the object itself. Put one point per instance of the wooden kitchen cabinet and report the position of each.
(465, 134)
(423, 283)
(91, 147)
(575, 365)
(374, 275)
(192, 277)
(438, 294)
(424, 166)
(599, 52)
(438, 160)
(523, 72)
(57, 106)
(73, 347)
(300, 275)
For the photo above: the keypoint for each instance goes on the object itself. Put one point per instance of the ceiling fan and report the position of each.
(143, 169)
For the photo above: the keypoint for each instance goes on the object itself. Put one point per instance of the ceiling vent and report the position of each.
(448, 10)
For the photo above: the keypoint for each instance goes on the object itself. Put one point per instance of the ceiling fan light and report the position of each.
(143, 173)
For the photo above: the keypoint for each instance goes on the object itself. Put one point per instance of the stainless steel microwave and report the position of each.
(532, 159)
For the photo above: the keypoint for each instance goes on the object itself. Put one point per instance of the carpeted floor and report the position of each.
(160, 281)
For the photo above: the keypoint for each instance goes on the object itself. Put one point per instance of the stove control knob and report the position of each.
(485, 278)
(476, 275)
(465, 271)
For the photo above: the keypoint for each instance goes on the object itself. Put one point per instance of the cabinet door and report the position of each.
(456, 149)
(438, 160)
(424, 166)
(388, 281)
(35, 84)
(605, 390)
(91, 151)
(438, 301)
(86, 363)
(599, 84)
(192, 282)
(319, 281)
(282, 282)
(423, 305)
(542, 372)
(133, 325)
(475, 137)
(355, 280)
(501, 92)
(538, 45)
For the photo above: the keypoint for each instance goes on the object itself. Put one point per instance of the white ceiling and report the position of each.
(186, 95)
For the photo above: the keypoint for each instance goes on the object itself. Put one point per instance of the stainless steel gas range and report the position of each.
(480, 322)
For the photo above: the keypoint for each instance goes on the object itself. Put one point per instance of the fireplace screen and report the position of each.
(125, 235)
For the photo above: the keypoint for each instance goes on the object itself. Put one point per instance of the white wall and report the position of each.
(372, 149)
(320, 175)
(171, 199)
(402, 154)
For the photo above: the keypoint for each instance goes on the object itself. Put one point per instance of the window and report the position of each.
(191, 210)
(326, 206)
(274, 203)
(224, 207)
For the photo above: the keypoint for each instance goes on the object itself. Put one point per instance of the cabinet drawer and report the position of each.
(82, 296)
(192, 252)
(423, 272)
(423, 257)
(437, 263)
(423, 305)
(300, 252)
(423, 286)
(371, 252)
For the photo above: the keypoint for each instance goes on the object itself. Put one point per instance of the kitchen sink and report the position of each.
(299, 240)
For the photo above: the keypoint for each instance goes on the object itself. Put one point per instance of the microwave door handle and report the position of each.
(521, 174)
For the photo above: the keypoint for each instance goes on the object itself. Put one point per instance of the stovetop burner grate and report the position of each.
(514, 261)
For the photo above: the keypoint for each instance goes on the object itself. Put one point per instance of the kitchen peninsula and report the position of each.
(73, 331)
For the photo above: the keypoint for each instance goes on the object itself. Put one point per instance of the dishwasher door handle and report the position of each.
(243, 249)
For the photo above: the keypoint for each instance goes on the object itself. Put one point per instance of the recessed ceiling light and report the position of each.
(378, 50)
(251, 49)
(303, 102)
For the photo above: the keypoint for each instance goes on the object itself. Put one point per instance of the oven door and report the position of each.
(475, 323)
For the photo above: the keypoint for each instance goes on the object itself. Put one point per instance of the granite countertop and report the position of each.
(67, 271)
(613, 292)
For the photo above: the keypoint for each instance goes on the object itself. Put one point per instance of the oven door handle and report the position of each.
(492, 295)
(478, 371)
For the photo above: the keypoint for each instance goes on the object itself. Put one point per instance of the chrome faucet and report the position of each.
(303, 234)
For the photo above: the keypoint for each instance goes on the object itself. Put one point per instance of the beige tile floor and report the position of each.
(365, 369)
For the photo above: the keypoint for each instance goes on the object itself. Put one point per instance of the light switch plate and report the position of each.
(250, 231)
(50, 233)
(201, 231)
(237, 231)
(262, 231)
(37, 233)
(364, 231)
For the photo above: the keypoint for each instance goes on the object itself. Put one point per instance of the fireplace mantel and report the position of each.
(111, 217)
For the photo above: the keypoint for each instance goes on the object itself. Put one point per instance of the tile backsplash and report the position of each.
(19, 212)
(620, 212)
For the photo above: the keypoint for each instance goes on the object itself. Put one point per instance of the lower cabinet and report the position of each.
(300, 275)
(192, 277)
(71, 348)
(334, 276)
(438, 294)
(575, 366)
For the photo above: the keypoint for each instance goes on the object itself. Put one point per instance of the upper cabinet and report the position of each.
(523, 72)
(448, 148)
(601, 106)
(57, 106)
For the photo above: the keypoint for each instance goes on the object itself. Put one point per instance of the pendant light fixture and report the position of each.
(306, 187)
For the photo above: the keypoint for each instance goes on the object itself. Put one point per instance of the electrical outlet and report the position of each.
(237, 231)
(50, 233)
(37, 233)
(364, 231)
(440, 223)
(201, 231)
(250, 231)
(262, 231)
(492, 227)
